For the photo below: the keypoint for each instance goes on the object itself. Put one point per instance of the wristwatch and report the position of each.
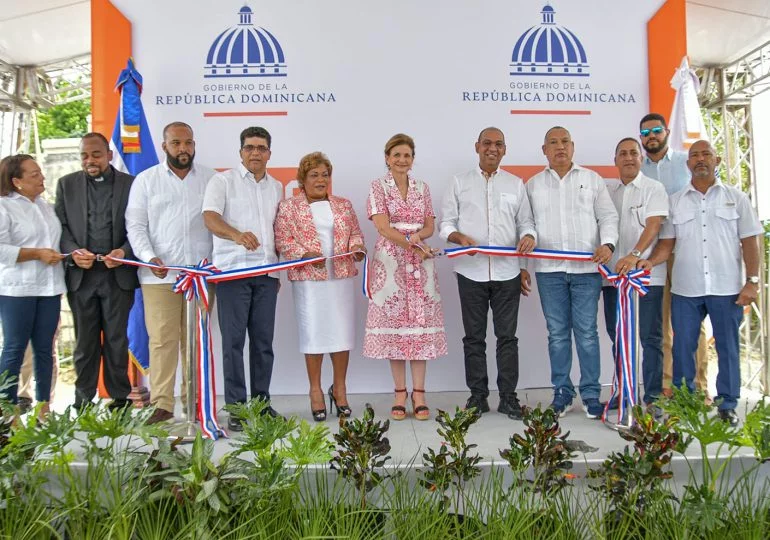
(611, 246)
(752, 279)
(636, 253)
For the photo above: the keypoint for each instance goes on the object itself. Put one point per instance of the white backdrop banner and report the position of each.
(342, 77)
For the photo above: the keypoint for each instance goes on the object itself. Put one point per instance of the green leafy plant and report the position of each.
(703, 500)
(632, 480)
(362, 451)
(756, 431)
(543, 449)
(454, 464)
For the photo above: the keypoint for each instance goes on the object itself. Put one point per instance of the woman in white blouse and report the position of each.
(31, 273)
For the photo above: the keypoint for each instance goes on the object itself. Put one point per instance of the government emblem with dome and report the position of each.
(549, 50)
(245, 50)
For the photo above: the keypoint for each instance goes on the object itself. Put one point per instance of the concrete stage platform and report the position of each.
(409, 438)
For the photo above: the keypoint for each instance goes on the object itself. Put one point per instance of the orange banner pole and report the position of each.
(110, 49)
(666, 46)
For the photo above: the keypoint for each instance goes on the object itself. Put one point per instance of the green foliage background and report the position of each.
(66, 120)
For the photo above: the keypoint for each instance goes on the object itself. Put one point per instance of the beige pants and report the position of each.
(27, 372)
(701, 357)
(166, 320)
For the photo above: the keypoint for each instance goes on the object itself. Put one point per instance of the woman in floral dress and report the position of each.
(405, 321)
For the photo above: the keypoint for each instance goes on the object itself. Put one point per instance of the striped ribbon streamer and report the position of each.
(191, 281)
(503, 251)
(624, 377)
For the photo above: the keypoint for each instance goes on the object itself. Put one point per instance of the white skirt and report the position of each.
(325, 313)
(325, 310)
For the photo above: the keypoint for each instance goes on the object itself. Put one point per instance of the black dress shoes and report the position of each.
(729, 416)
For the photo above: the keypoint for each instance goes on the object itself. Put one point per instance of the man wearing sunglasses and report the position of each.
(669, 167)
(239, 208)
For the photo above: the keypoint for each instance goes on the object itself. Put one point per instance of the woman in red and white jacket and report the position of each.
(312, 224)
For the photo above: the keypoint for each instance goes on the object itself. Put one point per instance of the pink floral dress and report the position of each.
(405, 320)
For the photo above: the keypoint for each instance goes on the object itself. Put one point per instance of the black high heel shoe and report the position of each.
(319, 415)
(342, 410)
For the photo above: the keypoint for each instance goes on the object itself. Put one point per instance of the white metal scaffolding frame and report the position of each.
(726, 99)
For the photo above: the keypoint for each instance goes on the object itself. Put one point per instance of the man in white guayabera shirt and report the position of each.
(642, 206)
(165, 226)
(715, 232)
(489, 206)
(573, 212)
(239, 208)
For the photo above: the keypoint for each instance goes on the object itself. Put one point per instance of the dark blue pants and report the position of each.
(247, 305)
(686, 316)
(25, 319)
(650, 335)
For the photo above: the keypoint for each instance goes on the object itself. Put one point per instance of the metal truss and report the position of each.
(26, 89)
(725, 98)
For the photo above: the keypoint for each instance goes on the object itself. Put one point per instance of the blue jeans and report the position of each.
(570, 303)
(650, 334)
(686, 316)
(25, 319)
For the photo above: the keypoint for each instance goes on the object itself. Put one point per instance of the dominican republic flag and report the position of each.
(133, 152)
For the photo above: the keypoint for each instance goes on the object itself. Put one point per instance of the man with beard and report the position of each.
(573, 212)
(239, 209)
(165, 226)
(489, 206)
(717, 233)
(669, 167)
(91, 206)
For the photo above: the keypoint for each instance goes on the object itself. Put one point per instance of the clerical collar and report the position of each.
(106, 175)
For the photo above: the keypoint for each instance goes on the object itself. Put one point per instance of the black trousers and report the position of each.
(247, 305)
(476, 298)
(100, 307)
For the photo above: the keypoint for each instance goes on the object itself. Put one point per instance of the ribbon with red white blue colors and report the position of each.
(624, 380)
(191, 282)
(504, 251)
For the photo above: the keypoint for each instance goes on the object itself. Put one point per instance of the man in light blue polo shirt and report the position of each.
(669, 167)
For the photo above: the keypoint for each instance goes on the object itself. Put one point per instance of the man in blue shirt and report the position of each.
(669, 167)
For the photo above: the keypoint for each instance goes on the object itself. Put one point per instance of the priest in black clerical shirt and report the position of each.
(91, 205)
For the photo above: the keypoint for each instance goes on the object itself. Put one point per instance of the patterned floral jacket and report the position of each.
(295, 235)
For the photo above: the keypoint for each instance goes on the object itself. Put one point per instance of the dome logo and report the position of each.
(549, 50)
(245, 50)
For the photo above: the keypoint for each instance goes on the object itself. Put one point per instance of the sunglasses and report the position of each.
(656, 130)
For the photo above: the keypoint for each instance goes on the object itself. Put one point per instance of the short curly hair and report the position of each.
(310, 162)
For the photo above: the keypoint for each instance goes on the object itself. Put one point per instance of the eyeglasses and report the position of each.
(249, 148)
(656, 130)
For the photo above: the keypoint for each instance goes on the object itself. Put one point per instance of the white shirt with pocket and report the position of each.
(708, 229)
(164, 220)
(492, 212)
(246, 205)
(640, 199)
(574, 213)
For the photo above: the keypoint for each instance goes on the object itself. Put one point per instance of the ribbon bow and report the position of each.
(191, 282)
(626, 351)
